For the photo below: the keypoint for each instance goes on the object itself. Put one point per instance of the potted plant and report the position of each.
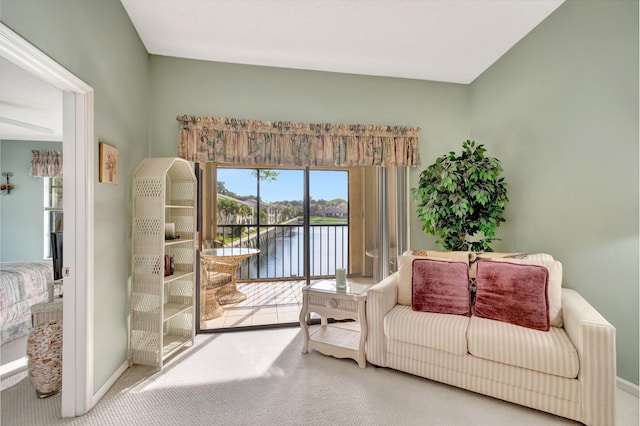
(461, 199)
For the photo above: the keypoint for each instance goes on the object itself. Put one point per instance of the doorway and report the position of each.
(78, 134)
(298, 219)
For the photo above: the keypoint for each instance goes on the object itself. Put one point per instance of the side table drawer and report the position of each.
(333, 302)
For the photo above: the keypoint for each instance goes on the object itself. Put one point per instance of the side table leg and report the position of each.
(362, 319)
(304, 316)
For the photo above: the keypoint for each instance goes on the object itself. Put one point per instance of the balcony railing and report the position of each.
(282, 249)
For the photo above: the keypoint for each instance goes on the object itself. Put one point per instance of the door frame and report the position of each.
(78, 171)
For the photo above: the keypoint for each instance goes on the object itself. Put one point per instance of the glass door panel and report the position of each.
(328, 222)
(264, 209)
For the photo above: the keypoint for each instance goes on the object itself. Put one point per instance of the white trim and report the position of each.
(77, 364)
(628, 387)
(12, 368)
(114, 377)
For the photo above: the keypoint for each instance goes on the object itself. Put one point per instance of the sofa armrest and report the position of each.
(595, 340)
(381, 298)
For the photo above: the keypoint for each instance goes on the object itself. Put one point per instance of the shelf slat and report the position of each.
(173, 309)
(178, 241)
(176, 276)
(337, 337)
(172, 343)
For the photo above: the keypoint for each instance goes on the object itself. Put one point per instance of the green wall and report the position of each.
(560, 110)
(22, 211)
(191, 87)
(96, 41)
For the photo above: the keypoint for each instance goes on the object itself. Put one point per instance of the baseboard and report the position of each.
(628, 387)
(105, 388)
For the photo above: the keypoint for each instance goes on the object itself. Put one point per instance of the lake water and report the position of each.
(282, 256)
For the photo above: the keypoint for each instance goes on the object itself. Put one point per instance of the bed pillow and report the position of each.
(513, 293)
(440, 286)
(554, 290)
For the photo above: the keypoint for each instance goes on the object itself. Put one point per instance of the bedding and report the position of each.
(22, 285)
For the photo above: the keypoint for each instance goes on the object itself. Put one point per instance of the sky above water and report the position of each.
(289, 185)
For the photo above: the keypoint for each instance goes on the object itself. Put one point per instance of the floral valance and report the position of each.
(46, 164)
(249, 142)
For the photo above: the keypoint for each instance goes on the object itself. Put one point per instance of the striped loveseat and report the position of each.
(568, 371)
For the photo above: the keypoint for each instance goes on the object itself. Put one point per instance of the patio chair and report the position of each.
(212, 277)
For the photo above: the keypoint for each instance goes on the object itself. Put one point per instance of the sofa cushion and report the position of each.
(512, 293)
(547, 352)
(405, 272)
(405, 268)
(440, 286)
(438, 331)
(496, 254)
(538, 257)
(554, 290)
(476, 257)
(456, 256)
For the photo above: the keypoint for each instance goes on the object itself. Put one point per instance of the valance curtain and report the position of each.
(253, 142)
(46, 163)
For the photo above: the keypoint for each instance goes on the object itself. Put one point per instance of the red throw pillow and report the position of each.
(440, 286)
(513, 293)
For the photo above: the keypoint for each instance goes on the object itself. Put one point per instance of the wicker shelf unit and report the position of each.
(163, 307)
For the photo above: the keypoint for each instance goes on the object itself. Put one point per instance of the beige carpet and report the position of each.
(261, 378)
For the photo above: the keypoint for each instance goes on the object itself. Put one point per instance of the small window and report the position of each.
(53, 216)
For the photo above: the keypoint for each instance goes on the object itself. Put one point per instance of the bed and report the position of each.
(22, 285)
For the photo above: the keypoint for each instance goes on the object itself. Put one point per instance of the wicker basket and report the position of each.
(44, 350)
(47, 311)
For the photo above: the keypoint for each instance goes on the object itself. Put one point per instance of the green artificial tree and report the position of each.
(461, 199)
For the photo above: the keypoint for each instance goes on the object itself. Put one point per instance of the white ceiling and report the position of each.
(442, 40)
(30, 109)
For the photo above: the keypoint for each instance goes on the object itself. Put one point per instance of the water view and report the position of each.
(264, 209)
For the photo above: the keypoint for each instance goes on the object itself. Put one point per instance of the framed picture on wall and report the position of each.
(108, 164)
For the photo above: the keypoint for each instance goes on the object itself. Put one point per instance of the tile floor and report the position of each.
(270, 302)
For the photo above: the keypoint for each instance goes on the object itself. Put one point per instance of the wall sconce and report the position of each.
(5, 189)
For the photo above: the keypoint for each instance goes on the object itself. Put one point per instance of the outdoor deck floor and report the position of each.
(267, 303)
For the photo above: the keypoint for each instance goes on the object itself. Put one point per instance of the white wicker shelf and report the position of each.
(163, 307)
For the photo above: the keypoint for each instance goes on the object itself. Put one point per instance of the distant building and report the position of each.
(246, 212)
(336, 211)
(240, 217)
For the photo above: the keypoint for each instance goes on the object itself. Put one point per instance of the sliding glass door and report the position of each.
(265, 209)
(286, 214)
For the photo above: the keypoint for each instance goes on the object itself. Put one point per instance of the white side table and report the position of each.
(328, 301)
